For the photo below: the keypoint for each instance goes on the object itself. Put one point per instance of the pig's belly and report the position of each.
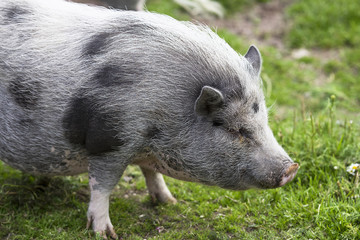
(55, 163)
(150, 162)
(30, 145)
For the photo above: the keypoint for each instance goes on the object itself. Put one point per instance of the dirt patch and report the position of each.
(262, 24)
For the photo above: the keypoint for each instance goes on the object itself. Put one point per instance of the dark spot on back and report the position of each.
(15, 14)
(255, 107)
(26, 122)
(108, 76)
(97, 44)
(84, 124)
(112, 75)
(26, 92)
(151, 132)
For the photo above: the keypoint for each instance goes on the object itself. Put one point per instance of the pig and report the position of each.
(90, 89)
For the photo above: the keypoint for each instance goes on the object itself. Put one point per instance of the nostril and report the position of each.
(289, 174)
(292, 169)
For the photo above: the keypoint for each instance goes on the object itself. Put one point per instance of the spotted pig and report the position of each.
(89, 89)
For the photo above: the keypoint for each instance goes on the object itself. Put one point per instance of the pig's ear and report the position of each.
(209, 101)
(254, 58)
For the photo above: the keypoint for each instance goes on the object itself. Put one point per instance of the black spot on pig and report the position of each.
(85, 125)
(97, 44)
(217, 122)
(255, 107)
(25, 92)
(26, 122)
(101, 135)
(75, 121)
(15, 14)
(113, 75)
(152, 132)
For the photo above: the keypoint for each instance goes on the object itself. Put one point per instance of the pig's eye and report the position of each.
(245, 133)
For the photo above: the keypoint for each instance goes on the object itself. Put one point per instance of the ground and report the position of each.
(264, 24)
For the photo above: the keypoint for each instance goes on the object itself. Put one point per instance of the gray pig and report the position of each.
(88, 89)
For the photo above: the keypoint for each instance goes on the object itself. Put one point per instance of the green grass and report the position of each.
(321, 24)
(325, 24)
(318, 130)
(321, 203)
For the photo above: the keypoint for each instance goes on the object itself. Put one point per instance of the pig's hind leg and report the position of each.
(157, 187)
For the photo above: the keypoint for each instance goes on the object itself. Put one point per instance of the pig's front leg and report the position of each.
(104, 174)
(98, 214)
(157, 187)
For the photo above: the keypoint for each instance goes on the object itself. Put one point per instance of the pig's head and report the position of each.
(243, 149)
(230, 144)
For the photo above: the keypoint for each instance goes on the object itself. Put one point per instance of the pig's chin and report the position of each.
(266, 181)
(252, 185)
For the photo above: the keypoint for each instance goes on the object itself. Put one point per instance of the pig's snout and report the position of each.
(289, 174)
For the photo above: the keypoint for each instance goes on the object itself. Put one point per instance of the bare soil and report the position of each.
(262, 24)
